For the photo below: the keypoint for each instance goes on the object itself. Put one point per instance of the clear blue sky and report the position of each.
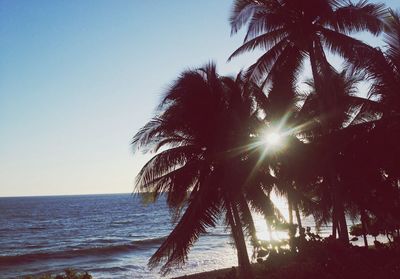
(79, 78)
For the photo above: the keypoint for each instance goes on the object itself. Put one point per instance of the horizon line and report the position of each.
(65, 195)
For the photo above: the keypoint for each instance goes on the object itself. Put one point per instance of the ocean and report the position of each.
(110, 236)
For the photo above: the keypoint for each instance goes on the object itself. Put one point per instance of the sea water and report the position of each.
(110, 236)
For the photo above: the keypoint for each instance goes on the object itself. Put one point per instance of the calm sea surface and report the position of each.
(110, 236)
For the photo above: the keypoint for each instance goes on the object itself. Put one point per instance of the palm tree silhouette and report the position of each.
(206, 162)
(210, 160)
(336, 122)
(291, 30)
(380, 138)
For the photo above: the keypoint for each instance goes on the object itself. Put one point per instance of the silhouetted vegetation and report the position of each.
(325, 258)
(68, 274)
(330, 258)
(335, 154)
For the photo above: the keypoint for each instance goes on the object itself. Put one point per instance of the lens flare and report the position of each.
(273, 138)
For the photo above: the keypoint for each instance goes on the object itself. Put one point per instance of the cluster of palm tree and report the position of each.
(339, 153)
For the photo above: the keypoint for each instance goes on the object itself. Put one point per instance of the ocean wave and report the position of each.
(122, 222)
(116, 269)
(149, 241)
(218, 234)
(37, 228)
(85, 252)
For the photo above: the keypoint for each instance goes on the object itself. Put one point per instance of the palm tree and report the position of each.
(293, 181)
(332, 118)
(382, 67)
(205, 161)
(290, 30)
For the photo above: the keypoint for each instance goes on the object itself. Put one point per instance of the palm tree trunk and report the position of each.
(269, 226)
(339, 216)
(298, 217)
(341, 219)
(312, 60)
(364, 226)
(292, 231)
(334, 183)
(238, 236)
(334, 223)
(314, 69)
(290, 205)
(338, 208)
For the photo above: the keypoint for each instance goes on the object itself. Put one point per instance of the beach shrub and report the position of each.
(68, 274)
(330, 258)
(375, 227)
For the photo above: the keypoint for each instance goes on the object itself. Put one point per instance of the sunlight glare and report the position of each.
(273, 138)
(261, 227)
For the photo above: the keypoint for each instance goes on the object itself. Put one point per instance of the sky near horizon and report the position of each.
(79, 78)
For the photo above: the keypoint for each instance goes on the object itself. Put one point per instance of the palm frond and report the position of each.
(202, 212)
(145, 136)
(392, 39)
(346, 46)
(161, 164)
(264, 41)
(242, 11)
(264, 22)
(258, 70)
(363, 16)
(261, 203)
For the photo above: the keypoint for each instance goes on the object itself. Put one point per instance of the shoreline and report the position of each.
(258, 269)
(320, 260)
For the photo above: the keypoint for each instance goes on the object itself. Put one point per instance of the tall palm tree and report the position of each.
(205, 162)
(304, 169)
(338, 121)
(291, 30)
(382, 68)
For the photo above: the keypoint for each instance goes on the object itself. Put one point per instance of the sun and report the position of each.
(273, 138)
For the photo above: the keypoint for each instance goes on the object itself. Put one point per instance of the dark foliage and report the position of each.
(68, 274)
(330, 259)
